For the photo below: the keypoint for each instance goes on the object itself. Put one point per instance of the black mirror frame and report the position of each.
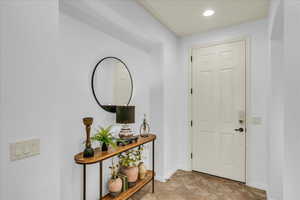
(109, 108)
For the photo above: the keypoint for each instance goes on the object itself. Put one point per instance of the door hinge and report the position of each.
(191, 58)
(191, 90)
(191, 155)
(191, 123)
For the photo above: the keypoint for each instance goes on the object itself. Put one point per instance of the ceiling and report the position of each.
(184, 17)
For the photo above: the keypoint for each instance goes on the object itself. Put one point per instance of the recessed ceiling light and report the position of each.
(208, 13)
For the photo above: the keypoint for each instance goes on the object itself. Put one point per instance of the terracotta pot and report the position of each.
(132, 173)
(142, 170)
(115, 185)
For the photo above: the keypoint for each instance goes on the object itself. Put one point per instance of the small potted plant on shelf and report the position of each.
(105, 137)
(115, 183)
(129, 161)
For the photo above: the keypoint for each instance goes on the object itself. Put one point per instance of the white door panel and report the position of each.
(218, 103)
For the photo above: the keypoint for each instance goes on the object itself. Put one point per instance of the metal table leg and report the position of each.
(153, 167)
(100, 189)
(84, 182)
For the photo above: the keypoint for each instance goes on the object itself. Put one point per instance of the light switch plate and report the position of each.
(24, 149)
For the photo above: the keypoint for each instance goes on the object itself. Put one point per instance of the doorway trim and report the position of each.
(247, 40)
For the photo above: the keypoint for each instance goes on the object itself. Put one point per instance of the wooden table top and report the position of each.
(103, 155)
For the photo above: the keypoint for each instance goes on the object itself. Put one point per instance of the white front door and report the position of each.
(218, 110)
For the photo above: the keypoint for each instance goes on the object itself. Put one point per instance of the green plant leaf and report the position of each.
(104, 135)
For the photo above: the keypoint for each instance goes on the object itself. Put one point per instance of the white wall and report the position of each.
(284, 34)
(276, 103)
(29, 98)
(291, 99)
(276, 122)
(257, 157)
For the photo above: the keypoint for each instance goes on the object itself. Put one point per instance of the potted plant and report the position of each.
(115, 183)
(105, 137)
(129, 161)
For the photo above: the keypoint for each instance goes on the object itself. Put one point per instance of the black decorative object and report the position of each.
(127, 140)
(104, 68)
(125, 115)
(104, 147)
(88, 151)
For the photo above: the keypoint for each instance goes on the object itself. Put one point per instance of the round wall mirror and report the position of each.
(111, 83)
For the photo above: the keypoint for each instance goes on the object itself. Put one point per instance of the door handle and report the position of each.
(239, 129)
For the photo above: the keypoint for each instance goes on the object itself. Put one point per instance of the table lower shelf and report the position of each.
(131, 191)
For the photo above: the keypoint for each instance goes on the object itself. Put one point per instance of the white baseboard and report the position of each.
(166, 176)
(274, 196)
(160, 179)
(257, 185)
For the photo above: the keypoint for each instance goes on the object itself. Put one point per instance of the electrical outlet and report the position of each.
(24, 149)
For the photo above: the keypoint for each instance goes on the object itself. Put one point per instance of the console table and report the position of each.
(100, 156)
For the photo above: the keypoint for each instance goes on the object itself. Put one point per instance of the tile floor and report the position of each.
(197, 186)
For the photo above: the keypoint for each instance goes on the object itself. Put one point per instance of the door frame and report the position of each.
(247, 40)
